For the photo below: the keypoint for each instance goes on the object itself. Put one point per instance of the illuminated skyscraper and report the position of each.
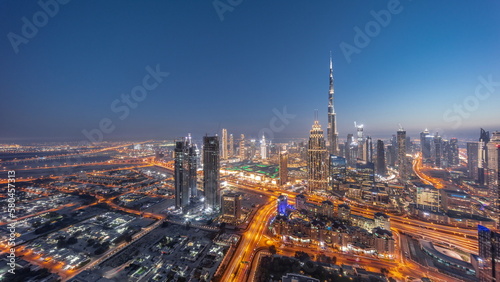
(317, 169)
(283, 169)
(368, 150)
(242, 148)
(263, 148)
(211, 177)
(425, 144)
(482, 162)
(231, 146)
(338, 170)
(380, 164)
(492, 170)
(332, 126)
(185, 166)
(361, 143)
(181, 171)
(401, 160)
(193, 159)
(489, 254)
(453, 157)
(282, 205)
(437, 151)
(472, 159)
(231, 205)
(224, 152)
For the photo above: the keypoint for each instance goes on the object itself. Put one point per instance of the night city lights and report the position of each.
(250, 141)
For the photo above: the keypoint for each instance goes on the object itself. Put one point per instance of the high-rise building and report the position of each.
(382, 221)
(282, 205)
(391, 155)
(472, 159)
(380, 168)
(489, 254)
(263, 148)
(242, 148)
(185, 167)
(224, 145)
(211, 174)
(317, 169)
(181, 172)
(482, 163)
(338, 170)
(492, 161)
(368, 150)
(283, 168)
(230, 151)
(401, 161)
(332, 134)
(425, 145)
(231, 205)
(360, 139)
(453, 156)
(437, 150)
(428, 198)
(193, 160)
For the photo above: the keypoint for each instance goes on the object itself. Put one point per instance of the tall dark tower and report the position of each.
(332, 134)
(185, 165)
(380, 164)
(181, 175)
(211, 174)
(482, 163)
(401, 160)
(317, 168)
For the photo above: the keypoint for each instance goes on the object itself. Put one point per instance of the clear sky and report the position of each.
(232, 73)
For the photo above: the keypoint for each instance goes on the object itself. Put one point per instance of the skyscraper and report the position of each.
(332, 126)
(361, 143)
(211, 178)
(263, 148)
(283, 169)
(437, 152)
(230, 151)
(231, 205)
(282, 205)
(193, 159)
(380, 164)
(338, 169)
(317, 168)
(482, 162)
(472, 159)
(181, 172)
(489, 252)
(242, 148)
(368, 150)
(401, 160)
(185, 166)
(453, 157)
(224, 152)
(425, 145)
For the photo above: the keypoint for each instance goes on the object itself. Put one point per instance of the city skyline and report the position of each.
(73, 85)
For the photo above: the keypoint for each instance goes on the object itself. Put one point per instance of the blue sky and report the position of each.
(233, 73)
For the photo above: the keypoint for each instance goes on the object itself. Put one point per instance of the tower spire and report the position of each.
(332, 127)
